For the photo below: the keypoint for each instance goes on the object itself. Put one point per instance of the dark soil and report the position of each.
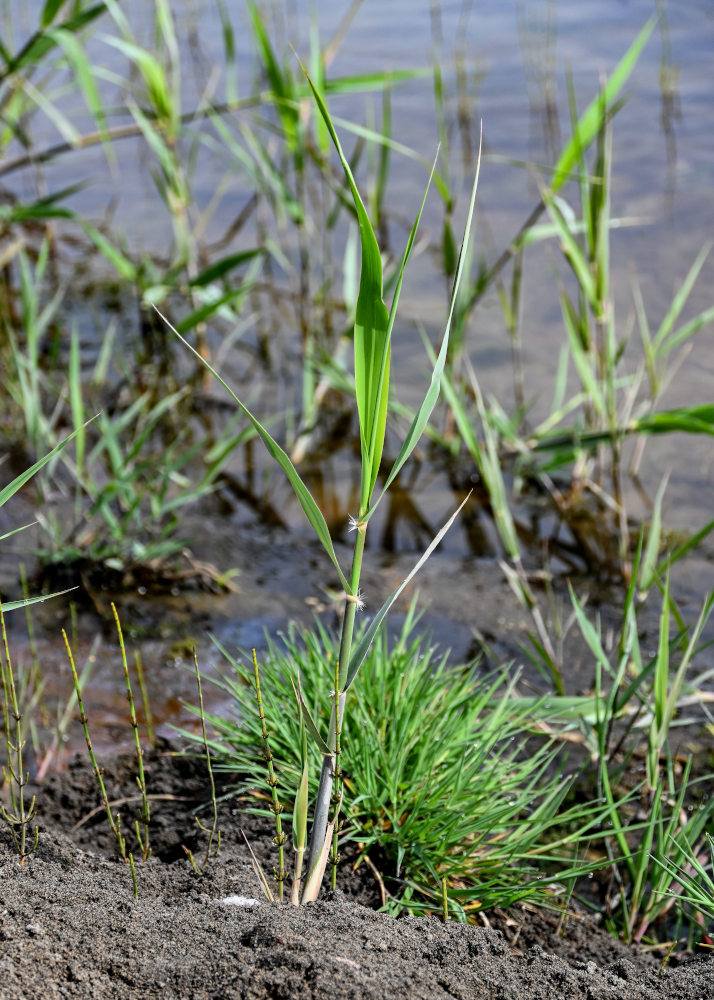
(70, 927)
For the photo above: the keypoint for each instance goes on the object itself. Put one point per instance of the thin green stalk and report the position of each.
(212, 830)
(372, 336)
(18, 816)
(276, 806)
(353, 603)
(145, 699)
(329, 765)
(144, 816)
(114, 821)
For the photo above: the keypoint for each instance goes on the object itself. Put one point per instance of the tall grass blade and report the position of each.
(17, 484)
(27, 601)
(257, 868)
(280, 83)
(366, 640)
(421, 417)
(665, 328)
(76, 56)
(312, 511)
(50, 11)
(371, 331)
(36, 48)
(651, 553)
(591, 120)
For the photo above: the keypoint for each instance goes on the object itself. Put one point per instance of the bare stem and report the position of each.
(213, 832)
(336, 797)
(144, 816)
(329, 766)
(114, 821)
(276, 806)
(18, 816)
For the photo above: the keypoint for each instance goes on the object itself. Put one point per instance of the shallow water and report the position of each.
(506, 65)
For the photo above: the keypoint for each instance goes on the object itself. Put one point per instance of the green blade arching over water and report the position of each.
(590, 120)
(422, 415)
(18, 483)
(312, 511)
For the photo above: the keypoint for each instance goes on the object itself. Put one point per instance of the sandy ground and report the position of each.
(70, 927)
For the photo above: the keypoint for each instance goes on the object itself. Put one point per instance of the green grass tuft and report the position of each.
(445, 777)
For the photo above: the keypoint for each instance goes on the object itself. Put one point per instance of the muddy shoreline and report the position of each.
(70, 927)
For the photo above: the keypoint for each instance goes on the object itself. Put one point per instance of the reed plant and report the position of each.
(650, 695)
(656, 811)
(573, 456)
(122, 507)
(117, 517)
(277, 147)
(608, 411)
(272, 149)
(372, 350)
(117, 493)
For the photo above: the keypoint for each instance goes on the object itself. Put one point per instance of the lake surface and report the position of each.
(505, 65)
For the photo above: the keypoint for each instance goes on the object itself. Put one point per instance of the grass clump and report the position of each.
(446, 779)
(688, 881)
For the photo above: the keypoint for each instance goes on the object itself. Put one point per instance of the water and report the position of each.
(506, 65)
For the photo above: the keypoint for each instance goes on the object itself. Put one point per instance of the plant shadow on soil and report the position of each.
(70, 927)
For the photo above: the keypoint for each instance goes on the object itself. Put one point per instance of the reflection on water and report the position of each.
(515, 66)
(509, 65)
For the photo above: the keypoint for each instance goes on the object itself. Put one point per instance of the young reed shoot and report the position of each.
(372, 351)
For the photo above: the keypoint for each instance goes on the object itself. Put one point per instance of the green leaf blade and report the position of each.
(421, 417)
(371, 331)
(304, 497)
(590, 121)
